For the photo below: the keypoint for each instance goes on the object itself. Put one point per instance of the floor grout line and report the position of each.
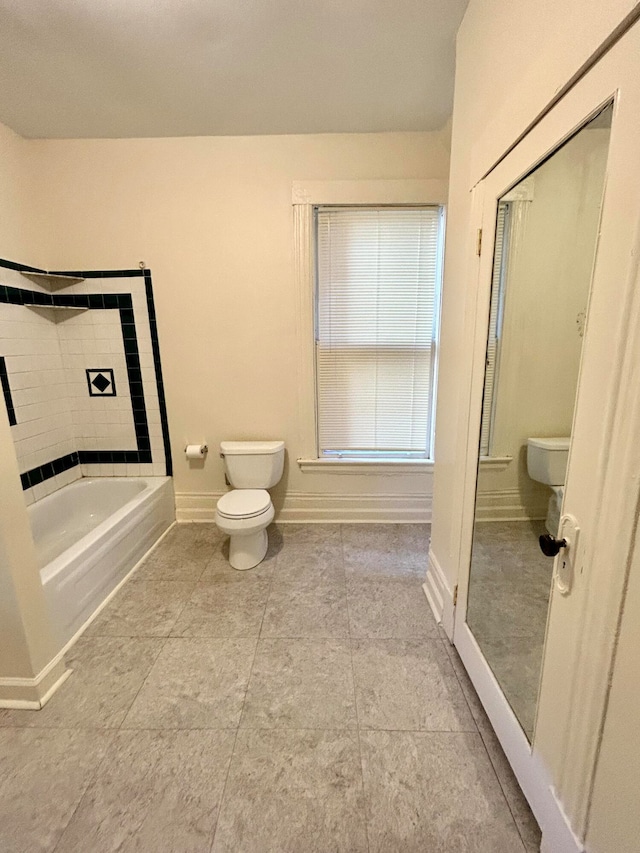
(488, 754)
(355, 702)
(244, 699)
(354, 732)
(92, 779)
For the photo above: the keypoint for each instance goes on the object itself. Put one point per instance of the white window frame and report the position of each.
(306, 195)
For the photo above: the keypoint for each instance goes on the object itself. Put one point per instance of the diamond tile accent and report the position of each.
(101, 382)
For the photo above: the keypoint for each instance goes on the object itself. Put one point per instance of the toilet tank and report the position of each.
(253, 464)
(547, 459)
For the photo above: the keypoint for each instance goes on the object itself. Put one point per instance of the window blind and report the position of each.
(378, 273)
(495, 323)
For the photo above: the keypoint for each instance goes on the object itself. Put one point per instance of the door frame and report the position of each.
(556, 772)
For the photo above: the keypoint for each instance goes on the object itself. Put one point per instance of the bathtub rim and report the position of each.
(49, 571)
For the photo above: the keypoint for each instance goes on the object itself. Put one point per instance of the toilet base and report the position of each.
(246, 552)
(552, 521)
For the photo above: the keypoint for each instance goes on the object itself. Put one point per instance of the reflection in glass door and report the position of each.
(546, 236)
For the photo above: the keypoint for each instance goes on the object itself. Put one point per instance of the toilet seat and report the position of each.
(244, 503)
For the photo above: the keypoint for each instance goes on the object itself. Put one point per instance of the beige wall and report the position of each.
(614, 820)
(511, 60)
(17, 227)
(26, 641)
(212, 219)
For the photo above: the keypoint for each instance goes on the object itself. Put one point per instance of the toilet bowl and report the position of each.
(245, 512)
(547, 460)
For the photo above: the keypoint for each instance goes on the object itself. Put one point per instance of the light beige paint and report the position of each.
(26, 640)
(213, 220)
(614, 820)
(175, 68)
(511, 60)
(17, 227)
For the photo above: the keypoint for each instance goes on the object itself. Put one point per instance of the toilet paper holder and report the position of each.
(196, 451)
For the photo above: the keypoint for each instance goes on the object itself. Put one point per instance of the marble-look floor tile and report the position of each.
(107, 674)
(310, 562)
(292, 791)
(188, 532)
(194, 684)
(379, 551)
(510, 579)
(310, 534)
(520, 809)
(143, 609)
(507, 607)
(43, 775)
(305, 684)
(434, 792)
(225, 607)
(389, 609)
(182, 555)
(306, 607)
(525, 821)
(473, 700)
(516, 663)
(155, 791)
(408, 684)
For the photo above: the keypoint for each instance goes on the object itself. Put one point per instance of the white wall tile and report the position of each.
(47, 354)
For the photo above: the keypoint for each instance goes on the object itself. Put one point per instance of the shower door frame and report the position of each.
(556, 770)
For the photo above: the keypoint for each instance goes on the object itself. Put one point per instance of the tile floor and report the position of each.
(310, 704)
(508, 605)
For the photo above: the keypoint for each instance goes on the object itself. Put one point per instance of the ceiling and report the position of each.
(127, 68)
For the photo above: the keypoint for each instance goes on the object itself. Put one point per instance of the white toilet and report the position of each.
(547, 460)
(244, 514)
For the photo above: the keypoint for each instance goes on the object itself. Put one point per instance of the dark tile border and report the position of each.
(48, 470)
(11, 265)
(124, 303)
(6, 390)
(96, 273)
(155, 346)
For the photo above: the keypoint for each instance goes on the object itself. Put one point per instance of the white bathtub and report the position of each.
(89, 534)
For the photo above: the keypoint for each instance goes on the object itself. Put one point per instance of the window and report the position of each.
(376, 323)
(500, 259)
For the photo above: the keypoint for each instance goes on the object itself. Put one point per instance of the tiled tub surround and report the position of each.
(310, 704)
(106, 322)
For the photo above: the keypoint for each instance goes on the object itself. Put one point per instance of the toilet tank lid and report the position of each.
(549, 443)
(241, 448)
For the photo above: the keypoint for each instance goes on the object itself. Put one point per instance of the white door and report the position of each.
(592, 369)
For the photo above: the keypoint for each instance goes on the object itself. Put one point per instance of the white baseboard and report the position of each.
(510, 505)
(33, 693)
(308, 508)
(557, 835)
(439, 594)
(196, 506)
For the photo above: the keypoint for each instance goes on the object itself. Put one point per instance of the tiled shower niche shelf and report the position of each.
(56, 313)
(52, 280)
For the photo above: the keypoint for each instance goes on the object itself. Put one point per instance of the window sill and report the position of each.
(366, 466)
(495, 463)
